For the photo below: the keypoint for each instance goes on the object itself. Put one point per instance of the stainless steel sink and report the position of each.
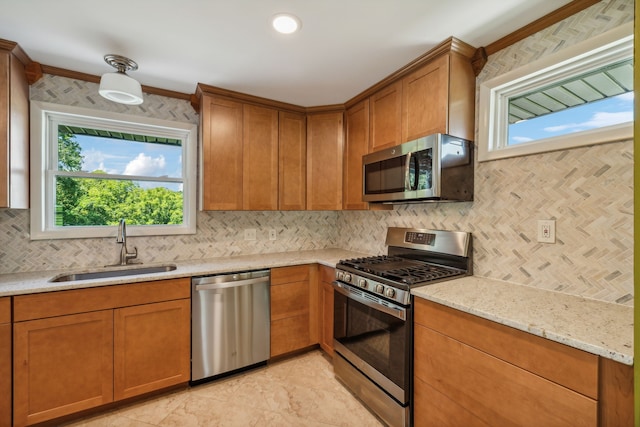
(106, 274)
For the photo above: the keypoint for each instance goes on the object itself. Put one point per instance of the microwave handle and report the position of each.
(412, 186)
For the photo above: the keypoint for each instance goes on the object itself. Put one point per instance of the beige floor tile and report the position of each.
(300, 391)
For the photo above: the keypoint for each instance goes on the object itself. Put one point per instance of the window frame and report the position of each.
(493, 121)
(44, 145)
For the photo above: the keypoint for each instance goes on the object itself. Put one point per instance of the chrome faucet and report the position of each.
(121, 238)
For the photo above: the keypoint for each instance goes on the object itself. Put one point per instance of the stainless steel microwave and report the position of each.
(437, 167)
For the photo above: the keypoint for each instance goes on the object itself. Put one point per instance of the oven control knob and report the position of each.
(362, 283)
(347, 277)
(379, 289)
(390, 292)
(340, 275)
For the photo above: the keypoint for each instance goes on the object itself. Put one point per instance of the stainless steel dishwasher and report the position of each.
(230, 322)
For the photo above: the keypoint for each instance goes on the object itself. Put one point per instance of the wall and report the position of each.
(588, 191)
(218, 233)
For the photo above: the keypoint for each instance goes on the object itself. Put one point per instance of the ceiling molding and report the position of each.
(203, 89)
(540, 24)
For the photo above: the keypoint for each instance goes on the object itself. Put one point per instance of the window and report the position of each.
(582, 95)
(92, 168)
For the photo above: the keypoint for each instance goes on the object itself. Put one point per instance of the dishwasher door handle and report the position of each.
(233, 284)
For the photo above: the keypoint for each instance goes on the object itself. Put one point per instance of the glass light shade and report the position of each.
(119, 87)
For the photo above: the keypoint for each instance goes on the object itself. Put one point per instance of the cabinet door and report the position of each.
(14, 133)
(292, 192)
(356, 146)
(221, 133)
(5, 362)
(326, 311)
(151, 347)
(425, 95)
(386, 117)
(260, 159)
(324, 161)
(62, 365)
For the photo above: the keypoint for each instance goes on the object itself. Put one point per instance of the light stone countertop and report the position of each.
(36, 282)
(601, 328)
(598, 327)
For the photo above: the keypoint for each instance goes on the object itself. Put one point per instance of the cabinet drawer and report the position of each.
(51, 304)
(575, 369)
(5, 310)
(297, 273)
(327, 274)
(493, 390)
(289, 334)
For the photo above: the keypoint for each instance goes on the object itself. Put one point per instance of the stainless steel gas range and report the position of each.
(373, 315)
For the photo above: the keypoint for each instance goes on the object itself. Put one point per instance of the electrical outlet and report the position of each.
(250, 234)
(272, 234)
(546, 231)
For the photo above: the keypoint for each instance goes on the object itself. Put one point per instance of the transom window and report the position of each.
(579, 96)
(91, 171)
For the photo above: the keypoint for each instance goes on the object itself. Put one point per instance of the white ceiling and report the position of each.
(344, 46)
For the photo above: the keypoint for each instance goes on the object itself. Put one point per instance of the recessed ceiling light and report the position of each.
(286, 23)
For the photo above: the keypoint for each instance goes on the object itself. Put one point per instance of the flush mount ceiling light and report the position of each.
(286, 23)
(119, 87)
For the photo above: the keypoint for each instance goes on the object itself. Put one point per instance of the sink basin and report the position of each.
(106, 274)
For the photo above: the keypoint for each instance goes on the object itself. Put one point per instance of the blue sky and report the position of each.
(130, 158)
(607, 112)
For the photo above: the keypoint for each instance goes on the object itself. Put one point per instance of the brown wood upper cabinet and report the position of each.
(439, 97)
(221, 134)
(292, 191)
(386, 117)
(260, 158)
(239, 155)
(253, 156)
(325, 139)
(356, 146)
(14, 129)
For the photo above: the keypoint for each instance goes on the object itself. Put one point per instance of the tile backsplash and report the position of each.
(587, 190)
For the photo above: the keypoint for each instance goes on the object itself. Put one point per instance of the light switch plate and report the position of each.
(547, 230)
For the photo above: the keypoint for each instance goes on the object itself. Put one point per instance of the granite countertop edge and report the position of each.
(598, 327)
(563, 318)
(13, 284)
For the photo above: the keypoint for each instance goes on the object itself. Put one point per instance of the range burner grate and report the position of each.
(399, 269)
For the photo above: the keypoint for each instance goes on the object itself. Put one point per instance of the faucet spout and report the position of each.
(121, 238)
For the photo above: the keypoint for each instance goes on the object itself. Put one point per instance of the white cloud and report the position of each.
(145, 165)
(598, 120)
(93, 160)
(626, 96)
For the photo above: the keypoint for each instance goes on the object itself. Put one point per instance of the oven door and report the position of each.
(375, 336)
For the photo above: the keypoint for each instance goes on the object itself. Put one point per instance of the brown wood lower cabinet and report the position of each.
(79, 349)
(62, 365)
(152, 347)
(5, 362)
(473, 372)
(327, 275)
(294, 302)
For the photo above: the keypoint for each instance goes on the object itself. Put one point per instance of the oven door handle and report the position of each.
(397, 312)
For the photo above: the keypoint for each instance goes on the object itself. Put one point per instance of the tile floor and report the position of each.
(300, 391)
